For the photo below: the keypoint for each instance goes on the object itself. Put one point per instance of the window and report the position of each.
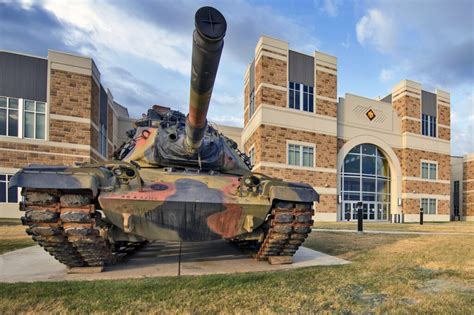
(22, 118)
(300, 155)
(428, 205)
(9, 116)
(456, 197)
(252, 156)
(35, 126)
(429, 170)
(7, 195)
(428, 125)
(301, 97)
(103, 140)
(251, 103)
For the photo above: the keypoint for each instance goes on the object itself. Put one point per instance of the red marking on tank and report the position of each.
(226, 223)
(141, 140)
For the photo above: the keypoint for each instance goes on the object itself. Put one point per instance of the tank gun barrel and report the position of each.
(208, 42)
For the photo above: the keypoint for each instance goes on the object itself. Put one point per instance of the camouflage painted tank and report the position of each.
(176, 179)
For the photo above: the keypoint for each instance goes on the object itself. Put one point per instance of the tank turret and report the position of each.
(208, 42)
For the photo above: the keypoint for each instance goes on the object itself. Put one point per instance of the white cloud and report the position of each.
(386, 75)
(112, 30)
(377, 29)
(330, 7)
(347, 42)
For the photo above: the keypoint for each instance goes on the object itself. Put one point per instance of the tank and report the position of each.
(176, 179)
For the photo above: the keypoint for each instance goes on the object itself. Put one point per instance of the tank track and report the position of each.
(67, 226)
(289, 226)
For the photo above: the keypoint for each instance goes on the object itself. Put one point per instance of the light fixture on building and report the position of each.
(399, 202)
(339, 198)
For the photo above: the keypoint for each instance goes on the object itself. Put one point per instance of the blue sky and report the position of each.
(143, 48)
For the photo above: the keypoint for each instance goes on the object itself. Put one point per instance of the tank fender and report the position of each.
(297, 193)
(55, 179)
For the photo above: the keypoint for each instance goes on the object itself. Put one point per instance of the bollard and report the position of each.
(421, 216)
(360, 227)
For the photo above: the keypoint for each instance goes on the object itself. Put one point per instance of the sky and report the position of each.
(143, 48)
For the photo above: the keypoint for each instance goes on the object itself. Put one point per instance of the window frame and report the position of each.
(35, 114)
(7, 192)
(428, 209)
(7, 116)
(429, 164)
(251, 104)
(302, 95)
(428, 125)
(22, 119)
(301, 145)
(251, 155)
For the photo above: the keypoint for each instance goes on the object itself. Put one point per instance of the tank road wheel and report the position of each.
(289, 226)
(67, 226)
(42, 216)
(78, 222)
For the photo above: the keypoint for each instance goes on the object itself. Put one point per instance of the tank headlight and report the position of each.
(118, 171)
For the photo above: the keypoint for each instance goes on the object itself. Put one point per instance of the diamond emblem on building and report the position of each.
(370, 114)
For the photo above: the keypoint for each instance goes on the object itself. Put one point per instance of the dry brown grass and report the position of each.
(13, 236)
(456, 227)
(430, 274)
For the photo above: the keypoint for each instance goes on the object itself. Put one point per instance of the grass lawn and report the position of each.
(389, 273)
(456, 226)
(13, 236)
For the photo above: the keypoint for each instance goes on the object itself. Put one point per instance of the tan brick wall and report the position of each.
(326, 108)
(246, 103)
(412, 206)
(425, 187)
(95, 103)
(70, 94)
(110, 123)
(69, 131)
(19, 159)
(312, 178)
(255, 141)
(412, 126)
(327, 204)
(407, 106)
(94, 138)
(96, 158)
(444, 133)
(110, 151)
(326, 84)
(275, 147)
(468, 188)
(444, 115)
(410, 162)
(444, 207)
(270, 96)
(271, 70)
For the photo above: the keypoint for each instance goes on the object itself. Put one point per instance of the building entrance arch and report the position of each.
(368, 171)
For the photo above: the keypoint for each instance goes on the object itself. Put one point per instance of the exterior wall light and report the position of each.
(339, 198)
(399, 202)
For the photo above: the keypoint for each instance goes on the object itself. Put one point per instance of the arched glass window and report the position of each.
(365, 177)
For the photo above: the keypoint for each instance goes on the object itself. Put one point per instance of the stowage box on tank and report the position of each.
(176, 179)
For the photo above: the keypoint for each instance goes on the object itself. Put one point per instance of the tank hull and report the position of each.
(184, 207)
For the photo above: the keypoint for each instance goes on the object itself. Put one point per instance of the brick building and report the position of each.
(393, 154)
(462, 186)
(53, 110)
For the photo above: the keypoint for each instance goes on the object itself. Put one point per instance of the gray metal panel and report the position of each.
(387, 99)
(103, 106)
(301, 68)
(428, 103)
(23, 76)
(252, 76)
